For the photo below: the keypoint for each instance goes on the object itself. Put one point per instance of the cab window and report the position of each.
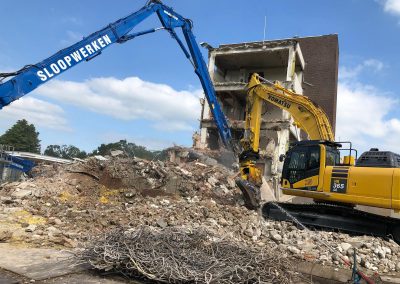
(298, 160)
(332, 157)
(314, 159)
(301, 163)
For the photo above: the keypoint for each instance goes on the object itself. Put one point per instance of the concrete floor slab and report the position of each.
(37, 264)
(337, 275)
(87, 278)
(5, 279)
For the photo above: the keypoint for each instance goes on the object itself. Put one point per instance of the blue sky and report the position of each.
(94, 103)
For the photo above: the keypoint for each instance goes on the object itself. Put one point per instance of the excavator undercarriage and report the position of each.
(334, 217)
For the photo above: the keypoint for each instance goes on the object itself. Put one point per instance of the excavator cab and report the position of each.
(305, 162)
(303, 169)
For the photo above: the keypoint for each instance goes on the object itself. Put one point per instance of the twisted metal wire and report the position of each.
(180, 255)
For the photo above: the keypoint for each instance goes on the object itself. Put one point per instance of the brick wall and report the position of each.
(321, 55)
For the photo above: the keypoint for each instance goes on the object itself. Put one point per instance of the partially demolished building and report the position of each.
(307, 65)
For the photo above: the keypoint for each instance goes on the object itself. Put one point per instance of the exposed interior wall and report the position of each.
(309, 66)
(230, 70)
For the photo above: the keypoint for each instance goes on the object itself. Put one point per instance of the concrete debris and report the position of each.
(276, 237)
(293, 249)
(100, 158)
(5, 236)
(345, 246)
(62, 206)
(184, 155)
(31, 228)
(162, 223)
(116, 153)
(21, 193)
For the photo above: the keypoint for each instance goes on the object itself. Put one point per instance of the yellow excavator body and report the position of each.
(334, 182)
(314, 168)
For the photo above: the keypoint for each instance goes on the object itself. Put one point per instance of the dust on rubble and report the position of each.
(62, 206)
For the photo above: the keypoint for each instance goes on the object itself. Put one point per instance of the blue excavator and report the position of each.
(14, 85)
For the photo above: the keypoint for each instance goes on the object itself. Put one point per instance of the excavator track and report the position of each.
(336, 218)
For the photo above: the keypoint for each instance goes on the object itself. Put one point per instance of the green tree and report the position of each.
(105, 149)
(22, 136)
(130, 149)
(70, 152)
(53, 151)
(65, 152)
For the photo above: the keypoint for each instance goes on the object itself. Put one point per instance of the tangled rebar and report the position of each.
(180, 255)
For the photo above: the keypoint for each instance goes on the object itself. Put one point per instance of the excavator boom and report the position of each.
(307, 114)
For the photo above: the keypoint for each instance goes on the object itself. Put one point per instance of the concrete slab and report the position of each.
(327, 274)
(267, 194)
(324, 272)
(5, 279)
(390, 279)
(87, 278)
(37, 264)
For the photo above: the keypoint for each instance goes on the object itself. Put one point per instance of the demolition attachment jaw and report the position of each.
(251, 194)
(250, 180)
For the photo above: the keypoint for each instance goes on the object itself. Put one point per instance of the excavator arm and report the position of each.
(306, 114)
(17, 84)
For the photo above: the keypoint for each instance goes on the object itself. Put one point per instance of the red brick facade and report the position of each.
(321, 55)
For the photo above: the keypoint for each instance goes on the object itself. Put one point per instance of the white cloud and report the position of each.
(40, 113)
(130, 99)
(392, 6)
(72, 37)
(72, 20)
(373, 65)
(362, 117)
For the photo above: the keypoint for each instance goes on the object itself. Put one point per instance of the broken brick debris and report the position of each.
(64, 205)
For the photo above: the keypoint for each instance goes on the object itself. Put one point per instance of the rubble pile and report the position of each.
(63, 206)
(152, 178)
(179, 255)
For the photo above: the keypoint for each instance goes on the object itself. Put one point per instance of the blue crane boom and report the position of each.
(30, 77)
